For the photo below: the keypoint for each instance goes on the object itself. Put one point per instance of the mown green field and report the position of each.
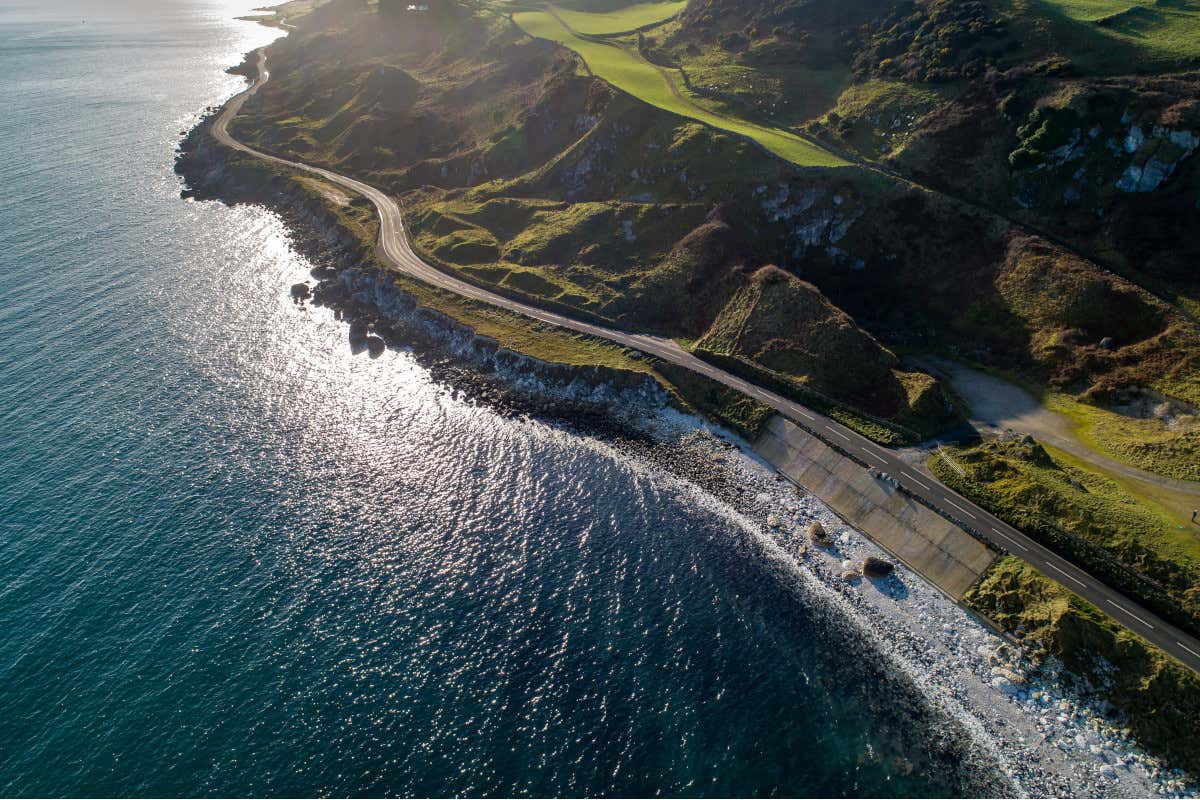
(621, 20)
(632, 74)
(1162, 29)
(1149, 444)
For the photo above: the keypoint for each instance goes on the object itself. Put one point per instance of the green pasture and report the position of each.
(630, 73)
(1163, 30)
(621, 20)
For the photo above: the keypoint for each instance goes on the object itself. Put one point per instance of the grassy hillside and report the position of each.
(625, 69)
(1152, 433)
(1162, 33)
(786, 328)
(1132, 542)
(620, 20)
(1158, 696)
(521, 171)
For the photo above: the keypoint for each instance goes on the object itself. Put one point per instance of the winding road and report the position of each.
(394, 248)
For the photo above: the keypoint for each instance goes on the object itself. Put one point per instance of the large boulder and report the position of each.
(358, 333)
(817, 534)
(876, 567)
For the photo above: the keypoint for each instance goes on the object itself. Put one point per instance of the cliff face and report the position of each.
(1105, 164)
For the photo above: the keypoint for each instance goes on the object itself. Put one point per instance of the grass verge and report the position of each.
(874, 429)
(1158, 697)
(1087, 518)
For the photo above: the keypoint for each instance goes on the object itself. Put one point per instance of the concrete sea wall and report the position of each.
(943, 553)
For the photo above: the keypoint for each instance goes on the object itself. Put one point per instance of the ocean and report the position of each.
(237, 559)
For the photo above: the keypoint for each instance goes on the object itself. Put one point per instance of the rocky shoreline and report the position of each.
(380, 314)
(1050, 741)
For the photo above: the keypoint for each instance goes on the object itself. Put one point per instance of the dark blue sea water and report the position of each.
(236, 559)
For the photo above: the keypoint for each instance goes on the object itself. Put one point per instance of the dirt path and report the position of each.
(997, 405)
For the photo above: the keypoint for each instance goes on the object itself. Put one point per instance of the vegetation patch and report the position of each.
(1086, 517)
(621, 20)
(655, 85)
(751, 84)
(716, 401)
(1160, 30)
(785, 327)
(876, 117)
(933, 42)
(1168, 445)
(1157, 696)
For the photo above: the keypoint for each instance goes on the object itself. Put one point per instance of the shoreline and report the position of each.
(381, 314)
(515, 384)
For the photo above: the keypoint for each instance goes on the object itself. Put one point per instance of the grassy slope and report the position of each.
(875, 117)
(1144, 443)
(1172, 507)
(1045, 496)
(1157, 30)
(781, 95)
(793, 337)
(517, 333)
(1159, 696)
(634, 75)
(621, 20)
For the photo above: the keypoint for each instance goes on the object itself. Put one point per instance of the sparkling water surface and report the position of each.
(236, 559)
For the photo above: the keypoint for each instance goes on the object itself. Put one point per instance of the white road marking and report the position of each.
(1064, 572)
(877, 452)
(838, 433)
(917, 481)
(1130, 613)
(960, 508)
(1008, 538)
(1190, 650)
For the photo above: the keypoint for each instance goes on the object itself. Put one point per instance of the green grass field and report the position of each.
(1162, 30)
(641, 79)
(1045, 492)
(621, 20)
(1149, 444)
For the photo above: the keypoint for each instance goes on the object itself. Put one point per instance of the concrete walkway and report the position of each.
(933, 546)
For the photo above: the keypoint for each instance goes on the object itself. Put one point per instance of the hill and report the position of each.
(807, 192)
(524, 168)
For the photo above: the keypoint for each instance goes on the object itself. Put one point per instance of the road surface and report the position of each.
(394, 248)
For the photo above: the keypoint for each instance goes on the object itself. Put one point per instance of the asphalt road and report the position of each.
(395, 249)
